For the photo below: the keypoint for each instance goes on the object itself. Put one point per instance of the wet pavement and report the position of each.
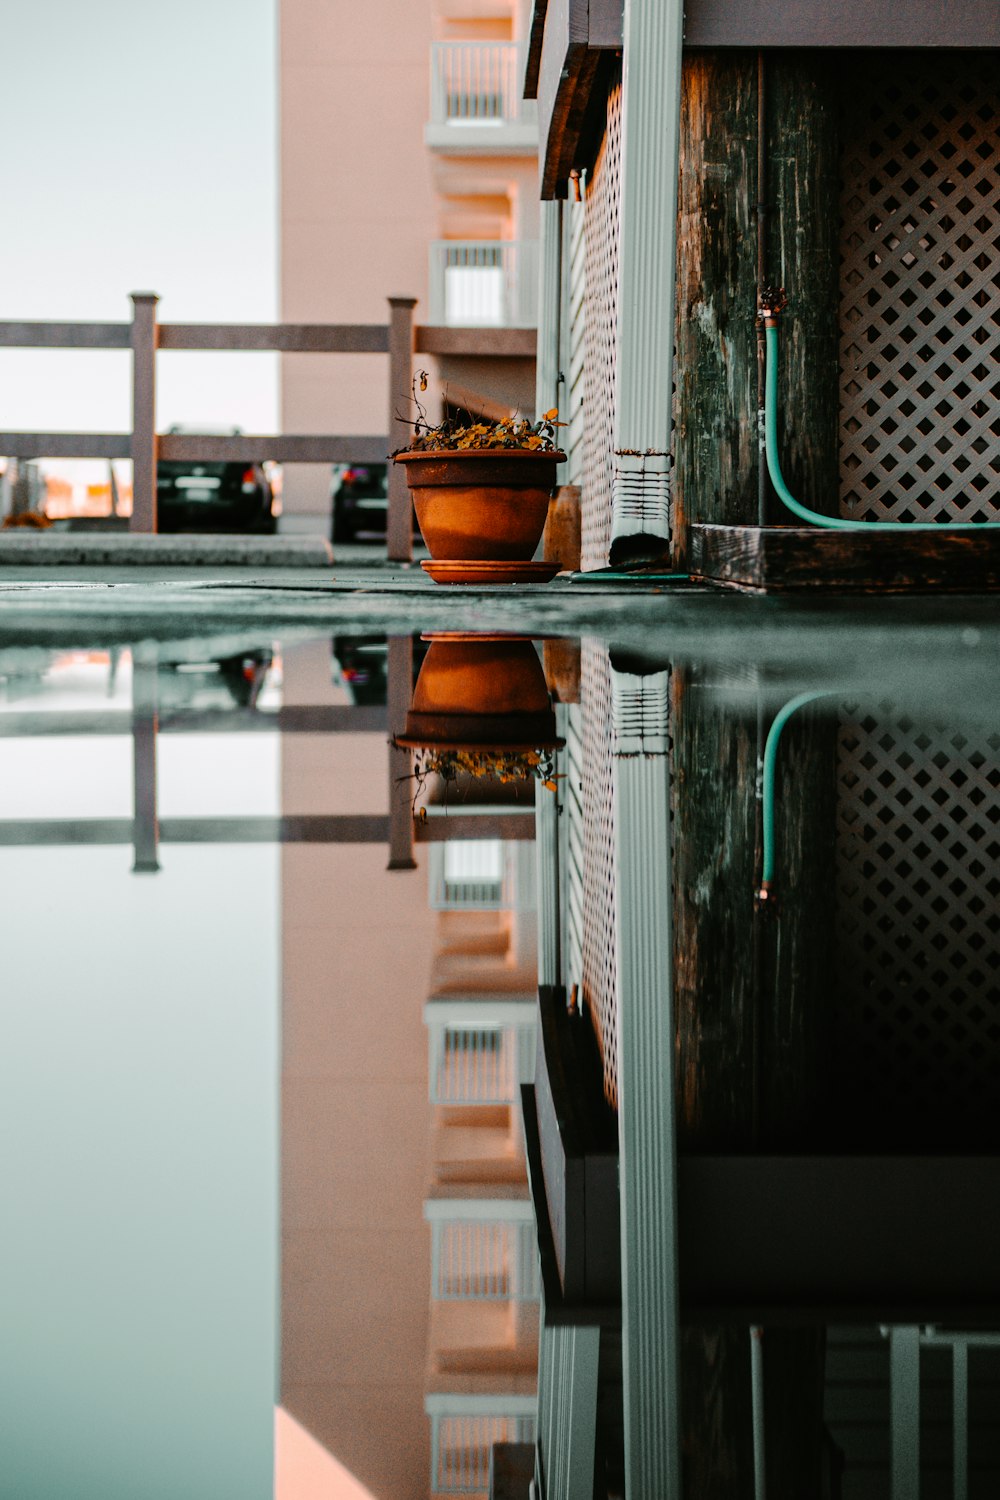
(492, 1010)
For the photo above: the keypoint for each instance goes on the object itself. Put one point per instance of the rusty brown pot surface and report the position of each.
(481, 692)
(481, 503)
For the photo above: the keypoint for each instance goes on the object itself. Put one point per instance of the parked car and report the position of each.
(214, 497)
(216, 683)
(360, 497)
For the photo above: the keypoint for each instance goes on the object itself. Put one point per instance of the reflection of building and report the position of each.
(795, 1245)
(355, 1118)
(480, 1018)
(408, 168)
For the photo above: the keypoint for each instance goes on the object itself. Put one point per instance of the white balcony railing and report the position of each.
(481, 1050)
(464, 1429)
(474, 1260)
(467, 875)
(484, 283)
(473, 1066)
(476, 84)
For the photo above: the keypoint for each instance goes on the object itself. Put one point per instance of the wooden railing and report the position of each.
(145, 337)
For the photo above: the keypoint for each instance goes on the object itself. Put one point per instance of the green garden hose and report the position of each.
(771, 305)
(765, 894)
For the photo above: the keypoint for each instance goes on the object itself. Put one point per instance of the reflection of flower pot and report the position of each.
(481, 691)
(483, 504)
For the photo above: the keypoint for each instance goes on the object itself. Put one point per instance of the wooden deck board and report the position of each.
(777, 559)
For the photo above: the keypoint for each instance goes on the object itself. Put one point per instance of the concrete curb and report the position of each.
(49, 549)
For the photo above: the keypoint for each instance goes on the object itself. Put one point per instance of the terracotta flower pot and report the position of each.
(476, 691)
(482, 504)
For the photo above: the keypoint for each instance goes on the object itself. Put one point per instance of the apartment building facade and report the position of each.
(408, 167)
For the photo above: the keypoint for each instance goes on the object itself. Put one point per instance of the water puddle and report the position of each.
(464, 1051)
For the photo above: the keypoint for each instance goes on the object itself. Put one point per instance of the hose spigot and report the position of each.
(766, 899)
(770, 304)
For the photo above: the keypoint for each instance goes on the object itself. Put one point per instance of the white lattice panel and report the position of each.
(600, 988)
(920, 291)
(918, 917)
(601, 232)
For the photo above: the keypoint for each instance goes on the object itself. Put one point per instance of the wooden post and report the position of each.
(752, 997)
(804, 98)
(715, 440)
(400, 676)
(144, 728)
(399, 536)
(144, 442)
(716, 455)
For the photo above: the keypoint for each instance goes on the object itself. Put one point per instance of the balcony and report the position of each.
(483, 1250)
(484, 283)
(476, 104)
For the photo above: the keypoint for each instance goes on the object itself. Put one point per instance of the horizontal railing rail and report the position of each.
(145, 337)
(281, 448)
(484, 283)
(65, 335)
(277, 338)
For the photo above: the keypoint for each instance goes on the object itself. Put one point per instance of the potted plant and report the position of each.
(481, 709)
(481, 492)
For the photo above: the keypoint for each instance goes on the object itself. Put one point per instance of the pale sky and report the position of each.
(138, 153)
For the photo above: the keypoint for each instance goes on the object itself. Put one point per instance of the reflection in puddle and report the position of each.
(637, 1022)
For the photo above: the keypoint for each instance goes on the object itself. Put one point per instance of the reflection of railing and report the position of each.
(481, 1049)
(476, 83)
(483, 1250)
(464, 1429)
(905, 1344)
(468, 876)
(484, 283)
(481, 875)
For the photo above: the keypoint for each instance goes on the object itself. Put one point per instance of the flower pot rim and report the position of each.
(412, 455)
(411, 742)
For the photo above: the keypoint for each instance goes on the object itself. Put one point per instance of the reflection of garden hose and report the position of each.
(766, 893)
(771, 305)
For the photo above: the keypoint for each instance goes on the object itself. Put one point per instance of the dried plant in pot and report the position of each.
(481, 489)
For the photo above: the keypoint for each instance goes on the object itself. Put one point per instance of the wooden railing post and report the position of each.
(399, 538)
(400, 688)
(144, 341)
(145, 724)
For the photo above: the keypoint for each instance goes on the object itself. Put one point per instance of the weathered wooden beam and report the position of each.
(474, 826)
(749, 1004)
(363, 718)
(851, 23)
(715, 430)
(876, 560)
(348, 828)
(715, 441)
(489, 343)
(250, 448)
(803, 256)
(65, 335)
(284, 338)
(65, 444)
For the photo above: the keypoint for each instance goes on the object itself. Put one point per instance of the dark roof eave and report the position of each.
(533, 61)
